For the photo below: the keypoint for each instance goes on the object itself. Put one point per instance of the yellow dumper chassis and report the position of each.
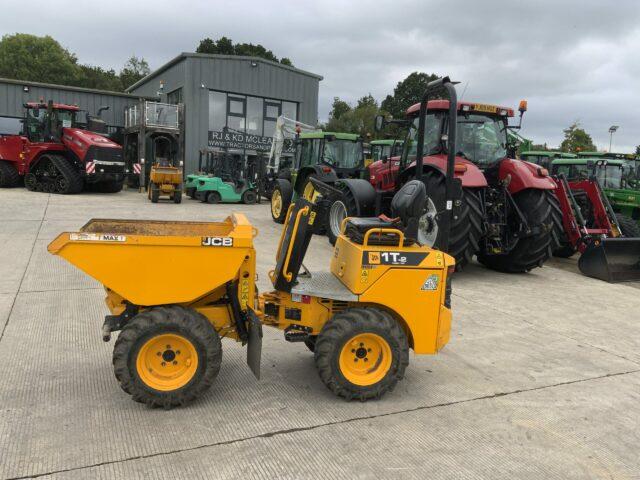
(360, 319)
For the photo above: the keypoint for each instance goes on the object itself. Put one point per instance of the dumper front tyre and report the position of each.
(361, 353)
(167, 356)
(177, 196)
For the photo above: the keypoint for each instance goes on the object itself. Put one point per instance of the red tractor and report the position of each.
(503, 210)
(53, 155)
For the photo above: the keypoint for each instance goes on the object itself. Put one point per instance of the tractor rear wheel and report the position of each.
(361, 353)
(343, 207)
(167, 356)
(311, 343)
(628, 226)
(466, 225)
(532, 251)
(9, 176)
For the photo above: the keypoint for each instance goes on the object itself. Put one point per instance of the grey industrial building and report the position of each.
(15, 93)
(231, 101)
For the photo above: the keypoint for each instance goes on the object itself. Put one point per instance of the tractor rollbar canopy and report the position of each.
(432, 86)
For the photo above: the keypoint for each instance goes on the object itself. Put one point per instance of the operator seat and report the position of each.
(407, 207)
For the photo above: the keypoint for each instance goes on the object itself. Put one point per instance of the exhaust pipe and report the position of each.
(612, 260)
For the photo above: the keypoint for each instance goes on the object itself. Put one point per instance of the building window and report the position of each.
(246, 114)
(254, 116)
(175, 97)
(10, 126)
(217, 111)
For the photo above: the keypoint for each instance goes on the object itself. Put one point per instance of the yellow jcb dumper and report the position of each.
(165, 180)
(384, 294)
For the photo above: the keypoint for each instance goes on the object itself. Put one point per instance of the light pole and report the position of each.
(612, 130)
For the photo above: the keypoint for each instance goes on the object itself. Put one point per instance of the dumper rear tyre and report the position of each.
(628, 226)
(9, 176)
(361, 353)
(167, 356)
(177, 196)
(531, 251)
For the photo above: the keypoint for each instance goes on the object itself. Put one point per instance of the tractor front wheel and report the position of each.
(628, 226)
(361, 353)
(343, 207)
(167, 356)
(280, 200)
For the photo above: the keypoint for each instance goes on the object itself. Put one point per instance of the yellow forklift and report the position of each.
(384, 294)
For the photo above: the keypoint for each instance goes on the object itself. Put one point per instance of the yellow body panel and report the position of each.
(160, 263)
(169, 176)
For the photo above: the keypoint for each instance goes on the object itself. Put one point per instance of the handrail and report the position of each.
(395, 231)
(288, 275)
(284, 229)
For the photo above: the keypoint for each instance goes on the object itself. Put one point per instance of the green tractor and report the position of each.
(381, 149)
(621, 184)
(544, 157)
(326, 156)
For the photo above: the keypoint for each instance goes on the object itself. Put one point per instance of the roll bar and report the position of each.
(450, 138)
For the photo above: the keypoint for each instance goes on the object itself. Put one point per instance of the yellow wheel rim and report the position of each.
(365, 359)
(167, 362)
(276, 203)
(310, 194)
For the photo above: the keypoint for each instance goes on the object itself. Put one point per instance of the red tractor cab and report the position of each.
(504, 210)
(53, 155)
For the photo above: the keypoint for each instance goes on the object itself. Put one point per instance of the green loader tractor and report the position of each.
(326, 156)
(544, 157)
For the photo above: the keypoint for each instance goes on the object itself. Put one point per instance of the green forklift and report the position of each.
(326, 156)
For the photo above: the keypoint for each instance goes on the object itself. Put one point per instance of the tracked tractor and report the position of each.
(326, 156)
(53, 155)
(505, 210)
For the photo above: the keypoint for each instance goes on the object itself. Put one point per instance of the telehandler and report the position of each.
(384, 294)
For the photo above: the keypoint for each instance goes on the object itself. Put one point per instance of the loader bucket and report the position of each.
(612, 260)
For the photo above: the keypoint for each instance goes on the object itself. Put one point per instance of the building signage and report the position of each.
(245, 141)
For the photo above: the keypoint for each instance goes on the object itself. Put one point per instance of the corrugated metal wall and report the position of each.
(197, 75)
(12, 97)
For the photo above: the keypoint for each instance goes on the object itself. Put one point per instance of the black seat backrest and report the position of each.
(408, 204)
(300, 239)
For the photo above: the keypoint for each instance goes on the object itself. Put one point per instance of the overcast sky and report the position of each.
(571, 59)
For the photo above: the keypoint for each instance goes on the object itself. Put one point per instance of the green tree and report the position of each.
(225, 46)
(39, 59)
(338, 108)
(100, 79)
(359, 119)
(408, 92)
(638, 150)
(134, 70)
(576, 139)
(367, 101)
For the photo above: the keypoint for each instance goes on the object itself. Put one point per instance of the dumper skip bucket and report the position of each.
(612, 260)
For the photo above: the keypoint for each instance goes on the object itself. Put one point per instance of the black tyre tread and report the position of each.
(530, 252)
(249, 197)
(628, 226)
(559, 242)
(75, 182)
(352, 209)
(213, 198)
(9, 176)
(177, 196)
(285, 204)
(346, 324)
(466, 229)
(112, 186)
(311, 343)
(171, 318)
